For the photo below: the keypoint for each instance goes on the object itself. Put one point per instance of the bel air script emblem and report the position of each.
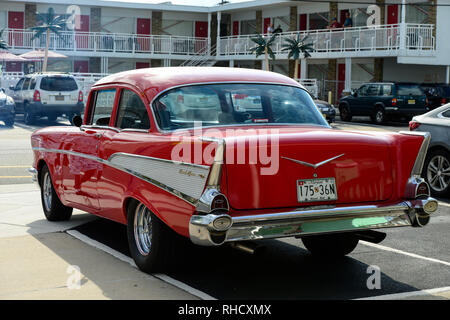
(313, 165)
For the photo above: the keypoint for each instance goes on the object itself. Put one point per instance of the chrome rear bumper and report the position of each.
(311, 220)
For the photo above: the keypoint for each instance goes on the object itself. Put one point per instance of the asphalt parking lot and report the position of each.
(37, 257)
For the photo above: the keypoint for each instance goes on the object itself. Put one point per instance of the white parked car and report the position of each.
(47, 95)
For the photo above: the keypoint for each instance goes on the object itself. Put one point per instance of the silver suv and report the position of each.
(47, 95)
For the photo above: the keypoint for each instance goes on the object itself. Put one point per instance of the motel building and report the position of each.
(410, 41)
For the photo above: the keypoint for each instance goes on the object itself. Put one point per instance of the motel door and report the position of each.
(143, 28)
(303, 22)
(81, 66)
(82, 33)
(266, 24)
(201, 31)
(15, 21)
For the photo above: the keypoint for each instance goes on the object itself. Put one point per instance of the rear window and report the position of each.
(58, 84)
(409, 90)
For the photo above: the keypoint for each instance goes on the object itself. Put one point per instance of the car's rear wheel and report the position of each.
(330, 245)
(345, 113)
(436, 171)
(29, 116)
(150, 241)
(54, 210)
(379, 116)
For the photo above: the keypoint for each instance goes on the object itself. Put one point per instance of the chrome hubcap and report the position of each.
(438, 173)
(143, 229)
(379, 116)
(47, 190)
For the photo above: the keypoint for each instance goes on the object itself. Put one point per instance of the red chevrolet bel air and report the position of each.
(226, 155)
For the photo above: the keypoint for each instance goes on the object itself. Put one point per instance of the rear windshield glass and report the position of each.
(58, 84)
(228, 104)
(409, 89)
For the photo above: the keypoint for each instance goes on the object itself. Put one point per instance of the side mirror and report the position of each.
(355, 93)
(77, 121)
(13, 88)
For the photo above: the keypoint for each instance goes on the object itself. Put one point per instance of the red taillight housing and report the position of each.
(443, 101)
(80, 96)
(394, 102)
(36, 96)
(413, 125)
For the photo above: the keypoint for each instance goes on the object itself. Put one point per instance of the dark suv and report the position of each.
(381, 100)
(438, 94)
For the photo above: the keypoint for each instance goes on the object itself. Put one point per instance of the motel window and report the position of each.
(319, 20)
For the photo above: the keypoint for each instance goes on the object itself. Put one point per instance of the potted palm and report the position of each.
(263, 46)
(297, 47)
(50, 23)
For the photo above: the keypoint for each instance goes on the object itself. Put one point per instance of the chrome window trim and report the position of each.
(192, 201)
(93, 126)
(223, 82)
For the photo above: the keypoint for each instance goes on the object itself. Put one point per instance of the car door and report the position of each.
(132, 124)
(17, 95)
(357, 105)
(370, 99)
(82, 165)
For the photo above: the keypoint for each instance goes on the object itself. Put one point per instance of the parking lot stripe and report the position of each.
(14, 166)
(404, 253)
(14, 177)
(407, 294)
(121, 256)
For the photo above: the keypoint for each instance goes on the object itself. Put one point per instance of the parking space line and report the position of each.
(14, 177)
(121, 256)
(404, 253)
(407, 294)
(14, 166)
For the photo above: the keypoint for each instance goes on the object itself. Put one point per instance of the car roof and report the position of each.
(155, 80)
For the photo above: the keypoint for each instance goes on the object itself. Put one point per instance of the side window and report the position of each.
(102, 107)
(131, 113)
(446, 114)
(33, 84)
(373, 90)
(386, 90)
(26, 84)
(19, 84)
(362, 91)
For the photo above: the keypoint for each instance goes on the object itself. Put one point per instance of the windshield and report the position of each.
(58, 83)
(227, 104)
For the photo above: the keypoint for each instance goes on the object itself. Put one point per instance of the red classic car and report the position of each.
(225, 155)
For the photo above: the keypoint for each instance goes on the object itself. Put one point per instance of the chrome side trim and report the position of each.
(188, 197)
(310, 220)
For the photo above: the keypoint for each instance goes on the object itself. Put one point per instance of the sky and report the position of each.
(184, 2)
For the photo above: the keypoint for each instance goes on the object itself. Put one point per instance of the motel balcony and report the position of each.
(97, 44)
(374, 41)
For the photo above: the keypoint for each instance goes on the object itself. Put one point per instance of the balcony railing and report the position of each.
(383, 37)
(107, 42)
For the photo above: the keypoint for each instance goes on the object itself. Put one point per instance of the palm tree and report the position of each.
(50, 23)
(263, 46)
(295, 46)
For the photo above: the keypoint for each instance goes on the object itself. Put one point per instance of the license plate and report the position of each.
(411, 101)
(59, 98)
(309, 190)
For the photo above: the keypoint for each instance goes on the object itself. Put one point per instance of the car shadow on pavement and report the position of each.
(280, 271)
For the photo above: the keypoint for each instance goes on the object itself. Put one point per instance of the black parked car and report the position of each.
(327, 110)
(382, 100)
(438, 94)
(7, 109)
